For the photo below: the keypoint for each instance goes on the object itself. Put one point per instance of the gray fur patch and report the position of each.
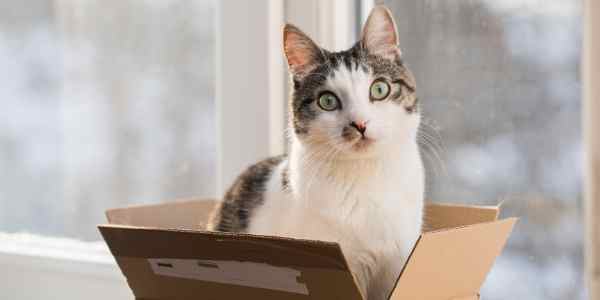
(285, 178)
(245, 195)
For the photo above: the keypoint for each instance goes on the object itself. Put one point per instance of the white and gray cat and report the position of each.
(354, 173)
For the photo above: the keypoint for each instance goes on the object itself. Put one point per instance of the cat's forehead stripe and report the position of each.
(348, 79)
(351, 59)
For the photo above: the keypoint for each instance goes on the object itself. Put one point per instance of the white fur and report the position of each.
(369, 201)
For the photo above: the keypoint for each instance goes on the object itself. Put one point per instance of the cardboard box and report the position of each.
(164, 254)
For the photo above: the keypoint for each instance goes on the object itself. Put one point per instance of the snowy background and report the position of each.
(107, 103)
(103, 104)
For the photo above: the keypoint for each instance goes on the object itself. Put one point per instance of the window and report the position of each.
(107, 104)
(499, 82)
(104, 105)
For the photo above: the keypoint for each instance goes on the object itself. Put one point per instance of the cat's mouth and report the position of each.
(362, 143)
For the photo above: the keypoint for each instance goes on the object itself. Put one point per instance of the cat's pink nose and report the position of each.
(360, 126)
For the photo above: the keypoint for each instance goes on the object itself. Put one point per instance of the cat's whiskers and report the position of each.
(432, 147)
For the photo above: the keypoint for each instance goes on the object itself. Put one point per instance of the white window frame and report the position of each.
(251, 78)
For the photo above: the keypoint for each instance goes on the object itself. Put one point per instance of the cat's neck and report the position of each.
(330, 163)
(380, 180)
(307, 165)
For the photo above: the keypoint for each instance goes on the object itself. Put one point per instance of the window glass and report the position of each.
(104, 104)
(499, 82)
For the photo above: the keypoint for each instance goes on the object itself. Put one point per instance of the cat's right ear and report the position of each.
(379, 35)
(302, 54)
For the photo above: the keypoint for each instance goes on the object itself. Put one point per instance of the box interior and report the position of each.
(193, 214)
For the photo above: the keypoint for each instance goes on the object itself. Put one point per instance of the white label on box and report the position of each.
(250, 274)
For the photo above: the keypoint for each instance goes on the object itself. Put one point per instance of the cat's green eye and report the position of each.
(328, 101)
(380, 89)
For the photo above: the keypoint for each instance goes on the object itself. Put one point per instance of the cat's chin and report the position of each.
(363, 148)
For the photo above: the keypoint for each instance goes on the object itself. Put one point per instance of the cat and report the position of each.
(353, 174)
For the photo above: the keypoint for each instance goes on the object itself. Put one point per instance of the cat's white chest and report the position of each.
(375, 216)
(379, 220)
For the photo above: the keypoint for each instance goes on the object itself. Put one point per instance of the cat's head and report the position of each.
(358, 101)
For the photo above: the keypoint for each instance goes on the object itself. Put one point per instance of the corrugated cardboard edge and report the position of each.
(445, 215)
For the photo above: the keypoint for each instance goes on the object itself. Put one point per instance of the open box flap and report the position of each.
(182, 264)
(452, 263)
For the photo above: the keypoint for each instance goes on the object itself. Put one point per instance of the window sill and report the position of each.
(69, 269)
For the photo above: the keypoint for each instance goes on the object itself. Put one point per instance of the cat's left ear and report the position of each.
(302, 54)
(379, 36)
